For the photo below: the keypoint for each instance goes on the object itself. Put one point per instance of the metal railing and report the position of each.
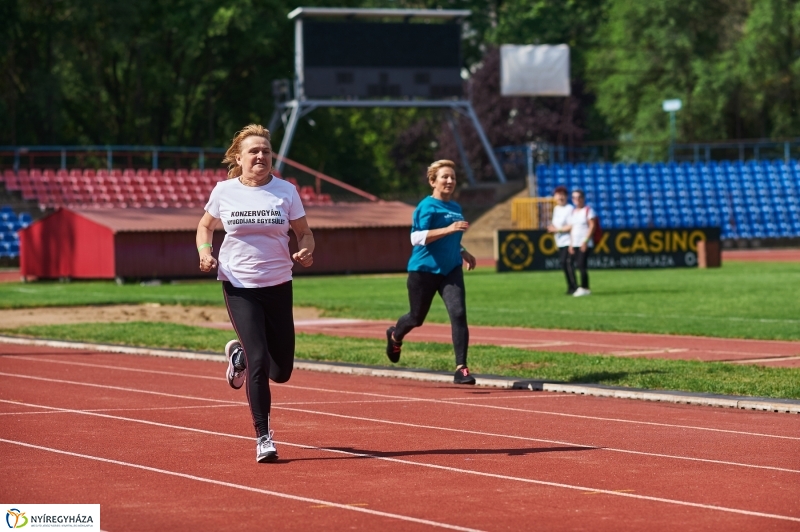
(520, 160)
(531, 213)
(62, 157)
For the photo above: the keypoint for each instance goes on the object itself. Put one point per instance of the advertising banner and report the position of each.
(618, 248)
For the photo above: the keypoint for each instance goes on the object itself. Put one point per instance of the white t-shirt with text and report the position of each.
(561, 214)
(579, 220)
(255, 252)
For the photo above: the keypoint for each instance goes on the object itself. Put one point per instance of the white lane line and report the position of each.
(525, 438)
(540, 412)
(127, 409)
(207, 406)
(120, 388)
(242, 487)
(545, 412)
(106, 366)
(497, 435)
(434, 466)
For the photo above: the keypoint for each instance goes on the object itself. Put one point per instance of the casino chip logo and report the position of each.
(516, 251)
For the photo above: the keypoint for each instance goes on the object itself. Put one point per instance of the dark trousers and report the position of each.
(422, 286)
(581, 260)
(568, 266)
(263, 321)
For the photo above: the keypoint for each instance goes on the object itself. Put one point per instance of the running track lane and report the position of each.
(164, 437)
(762, 352)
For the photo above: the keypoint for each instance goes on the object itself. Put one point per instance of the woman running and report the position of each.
(436, 266)
(255, 267)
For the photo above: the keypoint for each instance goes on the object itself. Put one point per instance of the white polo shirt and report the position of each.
(255, 252)
(561, 214)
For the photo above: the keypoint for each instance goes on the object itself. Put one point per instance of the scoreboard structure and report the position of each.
(355, 57)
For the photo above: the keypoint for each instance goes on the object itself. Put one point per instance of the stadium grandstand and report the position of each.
(40, 191)
(756, 199)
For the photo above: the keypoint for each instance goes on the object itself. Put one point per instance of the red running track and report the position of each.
(763, 352)
(165, 442)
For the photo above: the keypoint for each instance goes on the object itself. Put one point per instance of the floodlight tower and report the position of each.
(353, 57)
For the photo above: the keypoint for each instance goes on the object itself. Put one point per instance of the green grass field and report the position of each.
(739, 300)
(635, 372)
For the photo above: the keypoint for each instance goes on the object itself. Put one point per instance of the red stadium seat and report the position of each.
(35, 175)
(182, 172)
(194, 173)
(181, 181)
(74, 173)
(129, 172)
(62, 174)
(209, 173)
(89, 173)
(116, 173)
(48, 176)
(156, 173)
(169, 173)
(12, 183)
(142, 172)
(221, 174)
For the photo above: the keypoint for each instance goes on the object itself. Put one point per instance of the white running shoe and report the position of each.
(581, 292)
(235, 374)
(265, 449)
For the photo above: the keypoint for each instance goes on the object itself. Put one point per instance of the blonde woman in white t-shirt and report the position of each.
(559, 226)
(255, 267)
(581, 227)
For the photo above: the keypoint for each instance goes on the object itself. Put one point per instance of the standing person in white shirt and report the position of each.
(559, 225)
(581, 227)
(255, 267)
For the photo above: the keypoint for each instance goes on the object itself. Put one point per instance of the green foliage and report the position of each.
(192, 72)
(706, 377)
(734, 65)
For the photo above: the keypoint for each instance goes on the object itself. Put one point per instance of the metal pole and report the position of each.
(786, 152)
(155, 159)
(672, 136)
(16, 161)
(63, 159)
(286, 143)
(532, 192)
(276, 116)
(201, 162)
(461, 151)
(486, 146)
(109, 159)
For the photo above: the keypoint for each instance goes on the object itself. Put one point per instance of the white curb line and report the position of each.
(744, 403)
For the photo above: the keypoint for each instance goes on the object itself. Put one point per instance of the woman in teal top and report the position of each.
(435, 266)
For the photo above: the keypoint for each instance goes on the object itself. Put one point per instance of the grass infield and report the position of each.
(739, 300)
(707, 377)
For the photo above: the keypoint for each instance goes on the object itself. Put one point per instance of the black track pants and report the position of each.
(422, 286)
(568, 265)
(262, 318)
(581, 260)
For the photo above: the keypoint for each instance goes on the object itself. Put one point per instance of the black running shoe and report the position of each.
(463, 376)
(393, 347)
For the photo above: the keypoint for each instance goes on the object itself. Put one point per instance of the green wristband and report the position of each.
(206, 245)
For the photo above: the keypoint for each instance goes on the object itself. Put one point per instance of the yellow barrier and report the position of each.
(531, 213)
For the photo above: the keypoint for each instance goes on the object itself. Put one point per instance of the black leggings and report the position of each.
(422, 286)
(581, 260)
(263, 321)
(569, 267)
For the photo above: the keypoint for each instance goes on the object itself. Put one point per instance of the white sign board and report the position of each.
(671, 105)
(534, 70)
